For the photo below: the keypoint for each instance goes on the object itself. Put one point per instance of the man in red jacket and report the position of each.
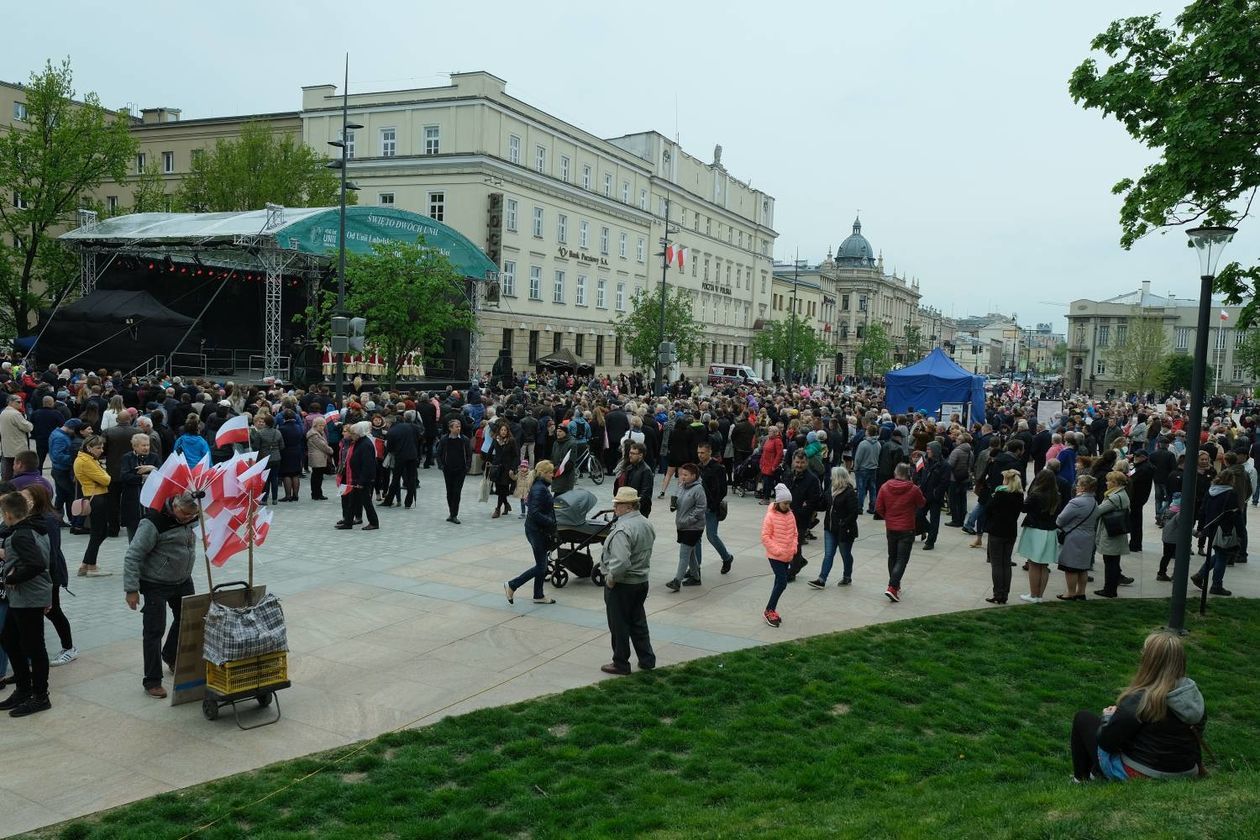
(898, 500)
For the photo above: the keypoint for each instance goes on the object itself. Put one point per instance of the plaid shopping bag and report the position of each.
(241, 632)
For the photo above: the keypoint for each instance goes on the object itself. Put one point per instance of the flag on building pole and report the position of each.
(235, 430)
(1224, 315)
(682, 258)
(669, 254)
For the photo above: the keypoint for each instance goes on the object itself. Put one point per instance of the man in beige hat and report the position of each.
(625, 561)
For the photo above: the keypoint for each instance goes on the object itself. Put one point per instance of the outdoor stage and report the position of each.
(220, 294)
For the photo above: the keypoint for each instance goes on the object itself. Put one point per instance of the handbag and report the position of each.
(1063, 535)
(82, 505)
(690, 538)
(721, 511)
(1116, 522)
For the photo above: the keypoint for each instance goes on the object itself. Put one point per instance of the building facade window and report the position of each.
(1238, 373)
(617, 352)
(586, 177)
(385, 198)
(350, 143)
(507, 339)
(437, 206)
(643, 198)
(844, 303)
(1181, 338)
(579, 294)
(640, 250)
(507, 278)
(535, 282)
(140, 164)
(514, 151)
(608, 184)
(509, 214)
(1104, 335)
(601, 292)
(389, 142)
(432, 140)
(622, 242)
(538, 222)
(557, 291)
(168, 162)
(564, 168)
(603, 240)
(584, 234)
(562, 228)
(19, 111)
(533, 346)
(557, 342)
(621, 296)
(111, 204)
(1240, 336)
(625, 192)
(540, 159)
(599, 350)
(1220, 338)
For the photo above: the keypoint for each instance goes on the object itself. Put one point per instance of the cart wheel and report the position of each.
(552, 567)
(560, 578)
(597, 576)
(264, 698)
(740, 491)
(210, 708)
(597, 471)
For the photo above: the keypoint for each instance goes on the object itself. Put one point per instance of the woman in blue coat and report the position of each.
(539, 524)
(291, 457)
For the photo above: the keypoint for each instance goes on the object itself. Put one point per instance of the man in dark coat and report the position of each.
(806, 498)
(429, 421)
(616, 424)
(454, 457)
(638, 475)
(1040, 446)
(404, 440)
(933, 481)
(1140, 484)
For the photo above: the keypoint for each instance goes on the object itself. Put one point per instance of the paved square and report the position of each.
(402, 626)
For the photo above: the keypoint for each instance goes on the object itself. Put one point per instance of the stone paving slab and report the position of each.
(406, 625)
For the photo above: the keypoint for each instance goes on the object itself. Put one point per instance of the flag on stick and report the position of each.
(235, 430)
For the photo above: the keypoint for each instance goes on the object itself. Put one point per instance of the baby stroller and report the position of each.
(576, 530)
(747, 473)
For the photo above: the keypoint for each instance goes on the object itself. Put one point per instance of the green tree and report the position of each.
(1247, 354)
(258, 167)
(1059, 355)
(1190, 92)
(790, 344)
(874, 354)
(1138, 359)
(49, 164)
(1174, 375)
(411, 296)
(914, 343)
(150, 194)
(639, 328)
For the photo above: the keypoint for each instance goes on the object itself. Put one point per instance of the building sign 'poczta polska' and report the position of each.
(714, 287)
(566, 254)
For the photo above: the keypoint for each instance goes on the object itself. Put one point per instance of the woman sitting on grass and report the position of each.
(1153, 730)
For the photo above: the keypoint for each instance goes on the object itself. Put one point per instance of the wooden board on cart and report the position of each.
(190, 668)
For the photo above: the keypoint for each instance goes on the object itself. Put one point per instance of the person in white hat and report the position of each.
(778, 536)
(625, 561)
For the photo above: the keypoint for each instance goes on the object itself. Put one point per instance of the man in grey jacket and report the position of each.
(865, 463)
(159, 565)
(625, 562)
(689, 520)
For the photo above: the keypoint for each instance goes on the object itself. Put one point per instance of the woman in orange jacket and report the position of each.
(771, 459)
(778, 535)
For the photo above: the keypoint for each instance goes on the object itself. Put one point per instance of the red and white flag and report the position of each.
(262, 526)
(675, 254)
(235, 430)
(681, 253)
(170, 479)
(563, 463)
(1224, 315)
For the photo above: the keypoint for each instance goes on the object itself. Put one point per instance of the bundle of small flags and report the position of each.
(230, 493)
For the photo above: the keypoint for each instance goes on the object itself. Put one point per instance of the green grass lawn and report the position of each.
(951, 726)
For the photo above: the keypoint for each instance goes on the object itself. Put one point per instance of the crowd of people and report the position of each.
(1064, 491)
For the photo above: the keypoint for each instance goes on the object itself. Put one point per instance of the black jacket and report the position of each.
(1168, 745)
(363, 463)
(890, 455)
(933, 480)
(713, 480)
(806, 492)
(743, 436)
(842, 516)
(639, 477)
(1001, 515)
(1162, 462)
(403, 441)
(454, 454)
(1140, 484)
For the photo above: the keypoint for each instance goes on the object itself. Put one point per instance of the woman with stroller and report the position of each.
(540, 524)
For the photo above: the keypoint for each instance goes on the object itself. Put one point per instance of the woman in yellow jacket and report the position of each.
(92, 477)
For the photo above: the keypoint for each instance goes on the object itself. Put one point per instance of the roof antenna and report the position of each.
(677, 142)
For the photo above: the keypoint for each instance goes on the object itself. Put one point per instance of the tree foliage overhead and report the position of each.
(876, 348)
(639, 327)
(1175, 373)
(914, 343)
(150, 194)
(411, 296)
(1138, 359)
(1247, 355)
(791, 344)
(260, 166)
(49, 164)
(1191, 92)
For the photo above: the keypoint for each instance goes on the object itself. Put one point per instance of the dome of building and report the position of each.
(855, 250)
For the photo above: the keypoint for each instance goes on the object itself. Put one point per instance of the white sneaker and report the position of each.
(1031, 599)
(66, 656)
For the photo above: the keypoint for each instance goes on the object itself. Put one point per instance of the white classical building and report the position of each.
(573, 220)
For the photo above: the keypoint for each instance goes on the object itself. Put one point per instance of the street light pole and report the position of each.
(1209, 241)
(796, 276)
(344, 143)
(659, 388)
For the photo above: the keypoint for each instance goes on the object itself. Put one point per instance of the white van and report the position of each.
(732, 374)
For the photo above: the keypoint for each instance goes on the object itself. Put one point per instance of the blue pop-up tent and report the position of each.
(934, 380)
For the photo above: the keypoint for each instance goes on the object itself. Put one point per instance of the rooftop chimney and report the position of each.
(1146, 288)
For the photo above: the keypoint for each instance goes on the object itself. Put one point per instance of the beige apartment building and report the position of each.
(573, 220)
(1096, 328)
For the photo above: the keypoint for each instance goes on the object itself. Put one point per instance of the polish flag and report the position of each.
(235, 430)
(669, 255)
(1224, 315)
(262, 526)
(333, 416)
(681, 253)
(231, 544)
(168, 480)
(254, 479)
(563, 463)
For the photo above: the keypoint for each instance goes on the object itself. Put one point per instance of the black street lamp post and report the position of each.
(339, 312)
(1209, 242)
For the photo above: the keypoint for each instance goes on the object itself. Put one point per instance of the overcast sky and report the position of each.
(948, 125)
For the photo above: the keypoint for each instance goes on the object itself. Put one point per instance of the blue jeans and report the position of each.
(538, 544)
(865, 484)
(1218, 562)
(780, 582)
(1255, 494)
(975, 519)
(711, 531)
(830, 544)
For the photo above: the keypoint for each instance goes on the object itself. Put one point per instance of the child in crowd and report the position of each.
(778, 535)
(524, 481)
(1169, 535)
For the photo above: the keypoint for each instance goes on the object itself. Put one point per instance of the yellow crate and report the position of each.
(248, 674)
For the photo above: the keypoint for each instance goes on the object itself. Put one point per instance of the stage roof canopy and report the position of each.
(307, 230)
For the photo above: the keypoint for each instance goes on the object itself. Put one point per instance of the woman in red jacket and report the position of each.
(778, 535)
(771, 459)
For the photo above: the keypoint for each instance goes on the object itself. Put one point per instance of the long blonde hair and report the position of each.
(1163, 666)
(840, 480)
